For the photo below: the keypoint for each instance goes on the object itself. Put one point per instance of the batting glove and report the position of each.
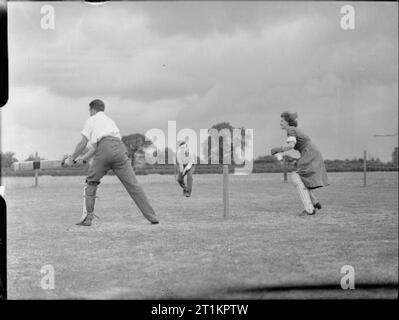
(80, 161)
(68, 162)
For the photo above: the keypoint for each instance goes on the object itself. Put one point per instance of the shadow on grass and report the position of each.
(302, 291)
(307, 287)
(263, 293)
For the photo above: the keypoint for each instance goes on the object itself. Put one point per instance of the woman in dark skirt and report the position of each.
(311, 172)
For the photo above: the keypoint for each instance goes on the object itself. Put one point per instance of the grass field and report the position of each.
(262, 251)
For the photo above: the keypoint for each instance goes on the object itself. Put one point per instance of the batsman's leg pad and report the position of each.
(303, 192)
(90, 197)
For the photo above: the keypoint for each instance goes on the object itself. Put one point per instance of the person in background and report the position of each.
(185, 159)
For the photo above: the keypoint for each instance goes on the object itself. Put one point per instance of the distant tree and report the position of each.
(164, 154)
(267, 159)
(7, 159)
(225, 132)
(136, 144)
(395, 156)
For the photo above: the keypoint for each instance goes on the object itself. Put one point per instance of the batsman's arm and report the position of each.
(179, 165)
(193, 159)
(88, 154)
(189, 165)
(178, 162)
(79, 147)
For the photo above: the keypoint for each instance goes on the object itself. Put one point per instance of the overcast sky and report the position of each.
(200, 63)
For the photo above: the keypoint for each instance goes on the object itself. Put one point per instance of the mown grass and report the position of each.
(261, 251)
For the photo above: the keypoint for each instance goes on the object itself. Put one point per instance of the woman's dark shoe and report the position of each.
(317, 206)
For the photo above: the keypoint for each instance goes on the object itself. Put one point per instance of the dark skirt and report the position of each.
(311, 168)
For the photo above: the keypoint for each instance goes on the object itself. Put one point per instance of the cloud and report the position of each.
(35, 119)
(201, 63)
(90, 51)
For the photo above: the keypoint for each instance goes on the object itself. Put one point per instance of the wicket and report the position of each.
(225, 191)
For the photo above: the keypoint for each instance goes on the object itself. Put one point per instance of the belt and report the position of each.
(108, 138)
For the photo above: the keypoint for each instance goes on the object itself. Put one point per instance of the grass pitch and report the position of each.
(261, 251)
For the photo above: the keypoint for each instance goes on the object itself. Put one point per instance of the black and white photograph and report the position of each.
(200, 150)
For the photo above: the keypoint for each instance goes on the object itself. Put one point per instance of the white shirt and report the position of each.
(184, 156)
(98, 126)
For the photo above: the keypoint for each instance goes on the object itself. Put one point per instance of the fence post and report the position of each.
(36, 171)
(364, 168)
(285, 168)
(225, 191)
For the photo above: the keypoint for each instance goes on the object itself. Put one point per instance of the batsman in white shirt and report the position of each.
(186, 162)
(101, 135)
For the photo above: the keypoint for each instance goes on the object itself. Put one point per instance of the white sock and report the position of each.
(303, 192)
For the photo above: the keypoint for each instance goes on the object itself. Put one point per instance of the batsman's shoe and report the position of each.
(304, 213)
(311, 213)
(317, 206)
(86, 220)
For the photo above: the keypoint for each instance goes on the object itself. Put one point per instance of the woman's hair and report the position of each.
(290, 118)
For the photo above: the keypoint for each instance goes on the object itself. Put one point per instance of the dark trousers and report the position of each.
(111, 154)
(180, 179)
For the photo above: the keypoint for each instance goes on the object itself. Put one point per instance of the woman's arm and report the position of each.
(291, 142)
(289, 146)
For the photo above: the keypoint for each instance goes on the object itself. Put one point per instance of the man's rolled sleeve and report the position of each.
(88, 129)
